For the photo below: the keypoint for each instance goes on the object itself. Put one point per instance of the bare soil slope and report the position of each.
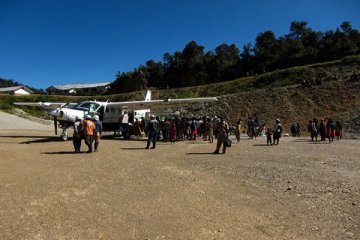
(339, 100)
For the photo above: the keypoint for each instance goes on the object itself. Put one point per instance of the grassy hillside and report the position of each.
(278, 94)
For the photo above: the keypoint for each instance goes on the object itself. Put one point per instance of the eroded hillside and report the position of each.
(339, 100)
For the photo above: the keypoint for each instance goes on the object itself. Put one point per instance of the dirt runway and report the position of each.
(296, 190)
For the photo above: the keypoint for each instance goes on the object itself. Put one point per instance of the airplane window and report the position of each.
(107, 110)
(112, 110)
(91, 107)
(85, 105)
(73, 106)
(94, 107)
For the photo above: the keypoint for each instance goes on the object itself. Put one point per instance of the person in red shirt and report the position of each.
(173, 131)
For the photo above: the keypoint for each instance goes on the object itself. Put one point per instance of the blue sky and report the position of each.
(50, 42)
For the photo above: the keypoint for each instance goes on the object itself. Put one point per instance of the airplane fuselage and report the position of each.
(111, 114)
(111, 117)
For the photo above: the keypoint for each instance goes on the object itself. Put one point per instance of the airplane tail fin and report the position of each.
(148, 96)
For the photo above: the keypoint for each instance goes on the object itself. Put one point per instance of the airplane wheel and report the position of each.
(64, 136)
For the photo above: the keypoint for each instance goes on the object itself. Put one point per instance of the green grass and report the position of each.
(6, 102)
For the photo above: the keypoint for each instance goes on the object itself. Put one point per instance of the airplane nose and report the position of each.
(55, 113)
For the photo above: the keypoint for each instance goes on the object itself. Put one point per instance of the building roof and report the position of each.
(15, 88)
(79, 86)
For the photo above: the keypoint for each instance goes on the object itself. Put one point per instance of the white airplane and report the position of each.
(110, 113)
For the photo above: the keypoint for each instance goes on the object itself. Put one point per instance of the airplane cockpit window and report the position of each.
(90, 106)
(94, 107)
(84, 105)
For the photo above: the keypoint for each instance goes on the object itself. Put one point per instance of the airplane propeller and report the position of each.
(55, 125)
(55, 113)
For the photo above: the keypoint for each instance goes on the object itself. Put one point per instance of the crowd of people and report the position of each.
(181, 129)
(206, 128)
(172, 129)
(326, 128)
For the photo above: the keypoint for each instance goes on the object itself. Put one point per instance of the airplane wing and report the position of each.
(135, 104)
(42, 104)
(190, 100)
(159, 103)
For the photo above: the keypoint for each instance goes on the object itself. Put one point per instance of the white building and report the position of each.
(79, 89)
(17, 90)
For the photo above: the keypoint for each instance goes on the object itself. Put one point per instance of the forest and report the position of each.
(193, 66)
(8, 83)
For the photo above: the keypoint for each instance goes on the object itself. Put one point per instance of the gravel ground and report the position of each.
(296, 190)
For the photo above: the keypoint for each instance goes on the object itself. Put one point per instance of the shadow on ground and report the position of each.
(38, 139)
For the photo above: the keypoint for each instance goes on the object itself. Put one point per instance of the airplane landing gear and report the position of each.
(64, 136)
(124, 131)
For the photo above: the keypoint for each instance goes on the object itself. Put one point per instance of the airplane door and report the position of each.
(101, 113)
(131, 117)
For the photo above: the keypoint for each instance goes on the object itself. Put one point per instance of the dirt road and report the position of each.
(9, 121)
(296, 190)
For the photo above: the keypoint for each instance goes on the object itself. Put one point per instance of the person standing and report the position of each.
(152, 129)
(97, 132)
(89, 128)
(251, 128)
(182, 129)
(238, 130)
(330, 130)
(222, 134)
(166, 130)
(322, 130)
(77, 135)
(137, 128)
(268, 136)
(194, 129)
(204, 128)
(298, 129)
(173, 131)
(210, 127)
(338, 130)
(313, 130)
(277, 132)
(142, 125)
(293, 130)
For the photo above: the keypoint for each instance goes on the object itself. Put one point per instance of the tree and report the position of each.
(192, 66)
(264, 51)
(246, 66)
(298, 30)
(173, 69)
(351, 41)
(346, 27)
(155, 74)
(302, 44)
(193, 69)
(227, 59)
(340, 43)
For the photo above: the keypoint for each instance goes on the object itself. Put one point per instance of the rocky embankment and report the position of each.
(338, 100)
